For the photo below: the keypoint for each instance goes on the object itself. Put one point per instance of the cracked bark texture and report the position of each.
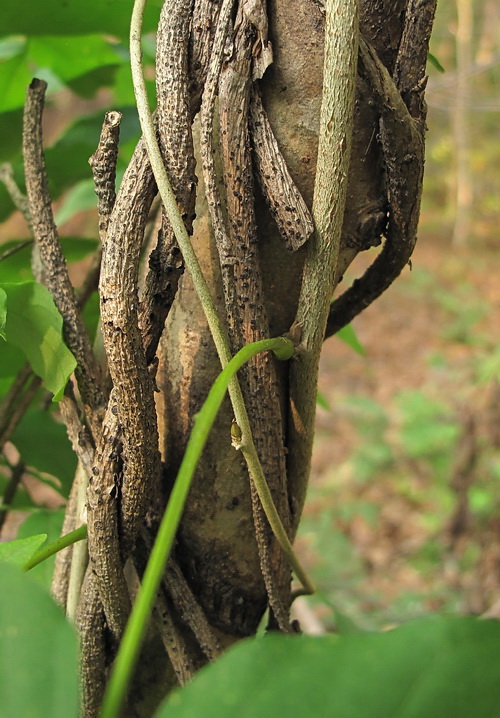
(217, 547)
(265, 145)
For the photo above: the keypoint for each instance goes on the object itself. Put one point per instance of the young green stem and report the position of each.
(63, 542)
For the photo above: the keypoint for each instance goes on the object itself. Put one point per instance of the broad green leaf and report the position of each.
(70, 57)
(15, 77)
(77, 248)
(44, 444)
(35, 326)
(38, 651)
(11, 46)
(63, 58)
(17, 267)
(349, 337)
(124, 89)
(11, 124)
(88, 84)
(73, 17)
(22, 500)
(20, 550)
(91, 313)
(80, 197)
(3, 312)
(434, 668)
(67, 161)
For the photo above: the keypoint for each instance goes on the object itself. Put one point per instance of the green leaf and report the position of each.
(20, 550)
(11, 362)
(11, 46)
(3, 312)
(73, 17)
(88, 84)
(11, 124)
(70, 57)
(67, 160)
(435, 62)
(35, 326)
(44, 444)
(80, 197)
(15, 76)
(77, 248)
(434, 667)
(64, 59)
(322, 401)
(16, 268)
(49, 522)
(91, 313)
(124, 89)
(349, 337)
(38, 651)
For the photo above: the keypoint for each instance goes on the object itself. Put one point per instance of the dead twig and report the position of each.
(54, 264)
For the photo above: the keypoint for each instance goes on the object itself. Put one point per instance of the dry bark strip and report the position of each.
(244, 295)
(286, 204)
(105, 552)
(103, 164)
(190, 611)
(165, 620)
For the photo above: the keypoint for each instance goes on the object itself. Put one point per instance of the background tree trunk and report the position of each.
(461, 123)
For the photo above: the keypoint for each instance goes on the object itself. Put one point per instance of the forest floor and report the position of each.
(402, 514)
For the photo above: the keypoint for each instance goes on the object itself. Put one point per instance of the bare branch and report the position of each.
(78, 434)
(54, 263)
(124, 345)
(103, 163)
(183, 663)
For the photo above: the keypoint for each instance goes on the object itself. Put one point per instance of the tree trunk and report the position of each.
(461, 124)
(227, 566)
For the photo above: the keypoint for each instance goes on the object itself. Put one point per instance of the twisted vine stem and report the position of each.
(221, 341)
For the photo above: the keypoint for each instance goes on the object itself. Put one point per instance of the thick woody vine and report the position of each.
(211, 58)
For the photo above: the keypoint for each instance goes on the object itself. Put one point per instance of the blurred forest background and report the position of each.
(403, 512)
